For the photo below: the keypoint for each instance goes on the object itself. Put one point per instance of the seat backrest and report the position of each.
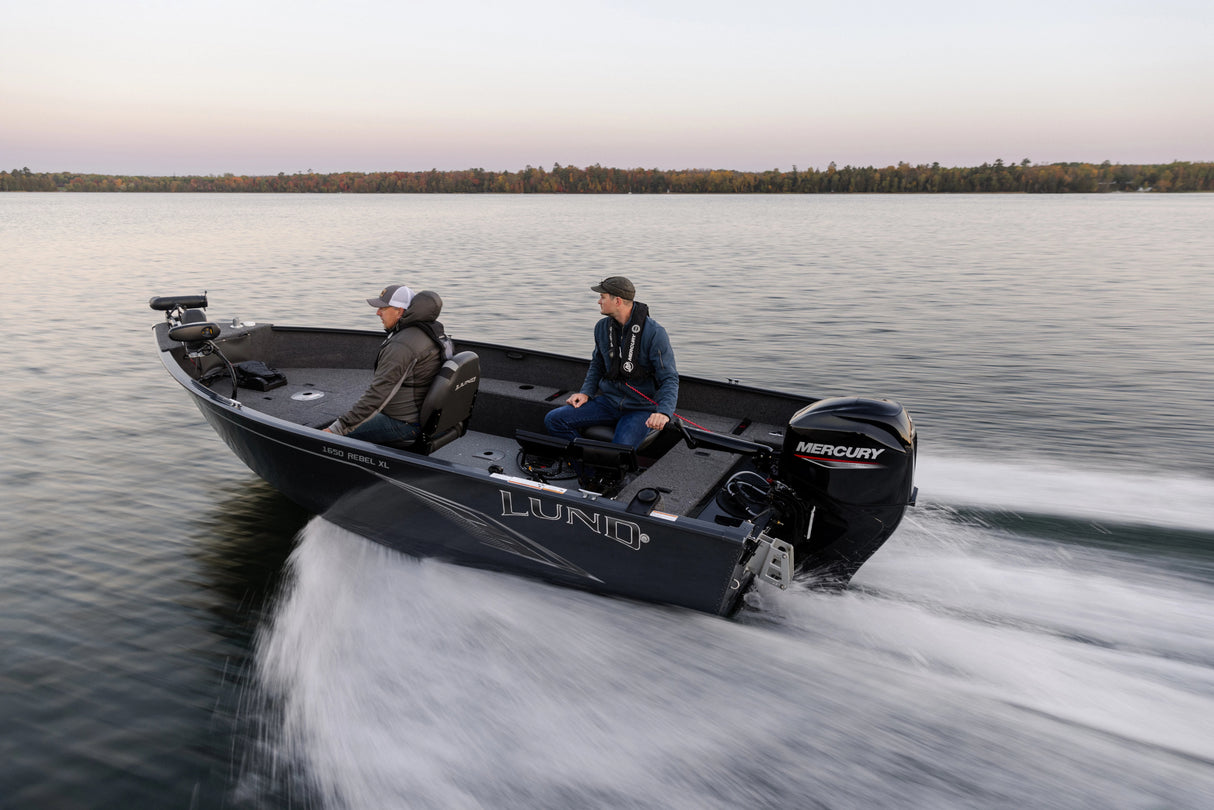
(448, 404)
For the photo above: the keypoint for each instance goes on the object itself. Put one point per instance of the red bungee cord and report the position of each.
(677, 416)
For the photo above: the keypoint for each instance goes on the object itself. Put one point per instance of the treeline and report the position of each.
(903, 178)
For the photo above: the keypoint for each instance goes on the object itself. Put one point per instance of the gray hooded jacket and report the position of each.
(406, 364)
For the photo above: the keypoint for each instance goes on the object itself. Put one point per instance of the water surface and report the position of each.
(1036, 634)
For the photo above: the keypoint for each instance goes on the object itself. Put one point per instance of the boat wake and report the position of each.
(1109, 497)
(980, 660)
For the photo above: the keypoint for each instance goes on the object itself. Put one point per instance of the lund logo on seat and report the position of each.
(621, 531)
(468, 381)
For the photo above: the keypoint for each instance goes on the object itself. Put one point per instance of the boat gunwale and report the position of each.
(544, 353)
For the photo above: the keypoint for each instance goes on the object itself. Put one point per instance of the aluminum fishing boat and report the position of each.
(745, 485)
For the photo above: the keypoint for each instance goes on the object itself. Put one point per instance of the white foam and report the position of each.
(973, 657)
(1129, 497)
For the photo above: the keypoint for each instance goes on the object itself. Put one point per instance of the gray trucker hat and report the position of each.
(394, 295)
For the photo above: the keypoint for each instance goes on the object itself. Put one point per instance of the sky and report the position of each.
(172, 87)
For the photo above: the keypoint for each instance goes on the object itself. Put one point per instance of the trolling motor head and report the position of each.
(194, 332)
(851, 461)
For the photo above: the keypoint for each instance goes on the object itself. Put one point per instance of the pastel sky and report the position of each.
(268, 86)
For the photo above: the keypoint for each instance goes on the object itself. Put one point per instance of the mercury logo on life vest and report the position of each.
(838, 455)
(621, 531)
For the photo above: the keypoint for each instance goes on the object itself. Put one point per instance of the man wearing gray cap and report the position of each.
(389, 411)
(632, 382)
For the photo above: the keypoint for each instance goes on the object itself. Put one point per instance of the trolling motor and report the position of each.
(838, 489)
(188, 324)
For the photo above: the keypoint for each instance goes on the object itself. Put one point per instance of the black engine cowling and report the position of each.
(851, 461)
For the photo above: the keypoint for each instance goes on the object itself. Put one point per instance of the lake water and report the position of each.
(1038, 633)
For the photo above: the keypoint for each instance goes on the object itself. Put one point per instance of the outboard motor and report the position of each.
(850, 461)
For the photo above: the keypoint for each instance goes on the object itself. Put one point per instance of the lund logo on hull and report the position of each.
(621, 531)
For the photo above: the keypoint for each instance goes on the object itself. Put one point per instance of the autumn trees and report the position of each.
(902, 178)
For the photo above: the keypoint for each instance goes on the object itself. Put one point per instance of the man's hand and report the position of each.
(577, 400)
(656, 421)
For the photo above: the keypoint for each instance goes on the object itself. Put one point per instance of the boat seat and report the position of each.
(606, 433)
(448, 404)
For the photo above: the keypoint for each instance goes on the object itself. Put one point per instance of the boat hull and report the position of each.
(431, 508)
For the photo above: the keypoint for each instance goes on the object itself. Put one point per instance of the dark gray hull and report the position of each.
(437, 509)
(472, 503)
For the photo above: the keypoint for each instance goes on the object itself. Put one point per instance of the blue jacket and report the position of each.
(661, 385)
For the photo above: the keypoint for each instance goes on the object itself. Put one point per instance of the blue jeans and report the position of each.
(380, 429)
(566, 421)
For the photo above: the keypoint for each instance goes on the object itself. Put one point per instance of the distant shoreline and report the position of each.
(1024, 177)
